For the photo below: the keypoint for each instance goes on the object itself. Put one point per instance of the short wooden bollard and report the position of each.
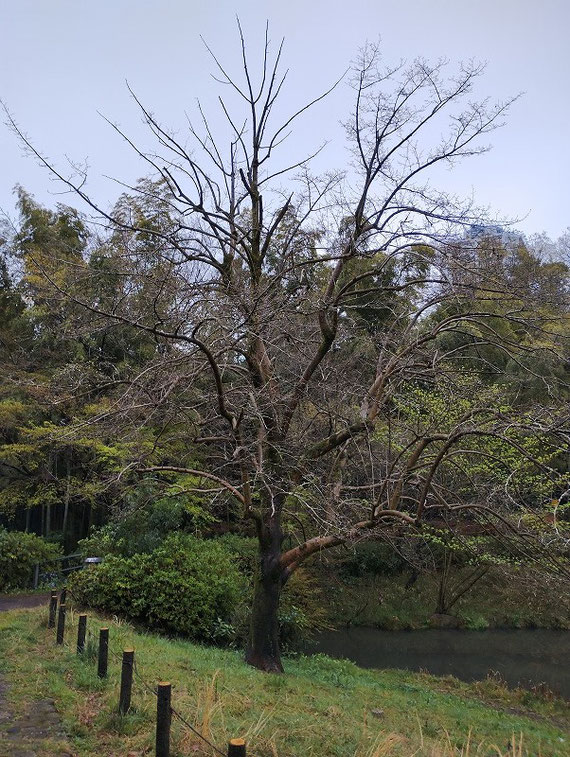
(126, 681)
(163, 716)
(236, 748)
(63, 596)
(103, 656)
(81, 633)
(52, 609)
(60, 632)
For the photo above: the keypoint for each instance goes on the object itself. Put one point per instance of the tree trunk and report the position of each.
(66, 507)
(263, 647)
(442, 595)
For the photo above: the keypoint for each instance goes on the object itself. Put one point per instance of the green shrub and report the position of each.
(373, 559)
(302, 612)
(201, 588)
(19, 553)
(188, 586)
(243, 549)
(476, 622)
(144, 528)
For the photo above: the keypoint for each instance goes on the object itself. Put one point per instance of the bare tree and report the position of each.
(292, 313)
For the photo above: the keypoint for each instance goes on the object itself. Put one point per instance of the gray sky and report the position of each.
(64, 60)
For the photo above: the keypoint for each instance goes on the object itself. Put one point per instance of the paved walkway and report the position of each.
(22, 601)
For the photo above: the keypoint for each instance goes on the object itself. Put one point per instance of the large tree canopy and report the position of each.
(338, 355)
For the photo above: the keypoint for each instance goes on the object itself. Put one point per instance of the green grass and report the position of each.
(320, 707)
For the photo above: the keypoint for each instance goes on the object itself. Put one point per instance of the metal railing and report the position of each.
(52, 576)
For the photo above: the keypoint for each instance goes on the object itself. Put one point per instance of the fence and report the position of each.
(163, 691)
(69, 563)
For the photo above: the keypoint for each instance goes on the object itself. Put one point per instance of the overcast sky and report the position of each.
(63, 61)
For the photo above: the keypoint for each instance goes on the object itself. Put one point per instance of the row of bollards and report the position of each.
(236, 747)
(126, 681)
(163, 717)
(103, 654)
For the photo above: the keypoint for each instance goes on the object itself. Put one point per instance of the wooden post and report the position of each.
(103, 657)
(36, 575)
(52, 609)
(163, 716)
(81, 632)
(236, 748)
(126, 681)
(60, 625)
(63, 596)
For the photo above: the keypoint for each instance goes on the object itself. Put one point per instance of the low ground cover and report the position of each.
(320, 707)
(504, 598)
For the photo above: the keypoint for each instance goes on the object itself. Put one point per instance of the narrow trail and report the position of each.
(37, 731)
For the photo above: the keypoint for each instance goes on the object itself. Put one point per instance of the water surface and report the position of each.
(522, 657)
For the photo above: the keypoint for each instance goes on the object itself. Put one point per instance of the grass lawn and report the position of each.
(320, 707)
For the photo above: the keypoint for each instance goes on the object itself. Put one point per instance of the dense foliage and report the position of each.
(198, 588)
(186, 586)
(19, 554)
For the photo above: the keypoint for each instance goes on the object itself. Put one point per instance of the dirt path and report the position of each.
(22, 601)
(35, 733)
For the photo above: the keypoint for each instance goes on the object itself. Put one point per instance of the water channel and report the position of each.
(522, 657)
